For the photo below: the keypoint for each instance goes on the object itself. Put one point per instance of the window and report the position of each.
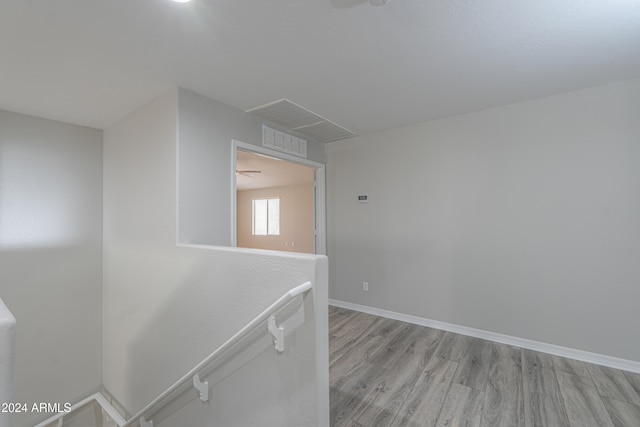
(266, 217)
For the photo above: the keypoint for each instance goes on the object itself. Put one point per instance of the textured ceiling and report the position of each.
(366, 68)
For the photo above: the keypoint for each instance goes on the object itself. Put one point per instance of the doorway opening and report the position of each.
(278, 201)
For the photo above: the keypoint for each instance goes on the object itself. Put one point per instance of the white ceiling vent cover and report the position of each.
(276, 140)
(294, 117)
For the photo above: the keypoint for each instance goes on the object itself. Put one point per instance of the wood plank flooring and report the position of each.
(385, 372)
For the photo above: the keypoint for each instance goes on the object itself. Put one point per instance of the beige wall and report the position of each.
(296, 219)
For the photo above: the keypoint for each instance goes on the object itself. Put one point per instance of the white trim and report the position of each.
(571, 353)
(320, 201)
(320, 214)
(97, 398)
(234, 201)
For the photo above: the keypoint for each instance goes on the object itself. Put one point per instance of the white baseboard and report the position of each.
(571, 353)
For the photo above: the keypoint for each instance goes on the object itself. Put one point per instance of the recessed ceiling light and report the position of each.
(182, 1)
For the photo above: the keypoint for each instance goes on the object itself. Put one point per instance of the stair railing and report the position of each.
(194, 378)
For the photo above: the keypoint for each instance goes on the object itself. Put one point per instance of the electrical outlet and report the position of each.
(365, 286)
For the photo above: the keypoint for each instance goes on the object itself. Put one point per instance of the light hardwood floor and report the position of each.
(389, 373)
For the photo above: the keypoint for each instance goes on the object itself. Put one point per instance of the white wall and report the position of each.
(296, 219)
(522, 220)
(206, 128)
(167, 307)
(51, 256)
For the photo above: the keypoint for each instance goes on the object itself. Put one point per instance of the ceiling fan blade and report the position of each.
(247, 173)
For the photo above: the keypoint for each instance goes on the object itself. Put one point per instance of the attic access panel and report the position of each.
(297, 118)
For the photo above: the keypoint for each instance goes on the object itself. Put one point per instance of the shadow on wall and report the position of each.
(55, 293)
(197, 317)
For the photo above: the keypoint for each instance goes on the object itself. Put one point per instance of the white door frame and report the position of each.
(320, 220)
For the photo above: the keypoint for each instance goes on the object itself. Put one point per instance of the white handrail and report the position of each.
(191, 378)
(187, 380)
(97, 398)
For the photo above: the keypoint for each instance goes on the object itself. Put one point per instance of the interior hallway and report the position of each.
(385, 372)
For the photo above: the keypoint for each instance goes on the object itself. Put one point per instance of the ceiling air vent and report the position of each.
(296, 118)
(284, 142)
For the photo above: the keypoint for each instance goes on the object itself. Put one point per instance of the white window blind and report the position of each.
(266, 217)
